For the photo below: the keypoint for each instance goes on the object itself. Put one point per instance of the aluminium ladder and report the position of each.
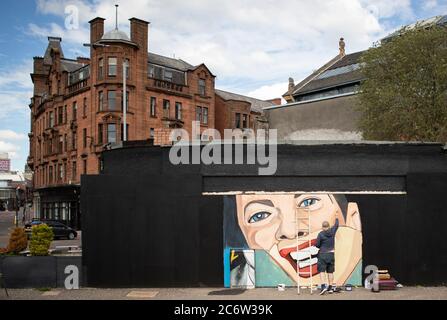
(299, 241)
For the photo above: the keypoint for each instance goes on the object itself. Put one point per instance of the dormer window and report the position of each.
(151, 71)
(167, 76)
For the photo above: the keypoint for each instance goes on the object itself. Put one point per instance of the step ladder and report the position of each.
(300, 220)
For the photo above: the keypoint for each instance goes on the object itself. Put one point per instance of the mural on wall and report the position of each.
(266, 224)
(242, 268)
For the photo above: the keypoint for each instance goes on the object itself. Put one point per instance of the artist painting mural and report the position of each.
(266, 223)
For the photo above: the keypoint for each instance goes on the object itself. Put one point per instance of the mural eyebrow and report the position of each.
(264, 202)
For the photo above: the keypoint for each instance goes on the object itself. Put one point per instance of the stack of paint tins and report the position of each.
(386, 281)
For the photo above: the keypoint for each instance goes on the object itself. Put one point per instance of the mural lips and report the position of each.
(306, 257)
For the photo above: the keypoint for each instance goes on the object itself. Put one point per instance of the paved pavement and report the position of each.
(406, 293)
(7, 224)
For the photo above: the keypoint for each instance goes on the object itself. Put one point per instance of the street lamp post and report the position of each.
(125, 100)
(17, 207)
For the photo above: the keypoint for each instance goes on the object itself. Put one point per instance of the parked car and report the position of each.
(60, 230)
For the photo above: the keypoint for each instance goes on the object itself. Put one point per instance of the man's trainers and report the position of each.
(330, 289)
(323, 289)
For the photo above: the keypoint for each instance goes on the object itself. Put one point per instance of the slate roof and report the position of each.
(177, 64)
(70, 65)
(316, 82)
(347, 60)
(256, 104)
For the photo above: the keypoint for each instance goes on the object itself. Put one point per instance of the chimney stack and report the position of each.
(96, 29)
(139, 33)
(291, 85)
(342, 45)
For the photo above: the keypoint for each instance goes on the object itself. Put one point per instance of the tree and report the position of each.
(404, 96)
(41, 238)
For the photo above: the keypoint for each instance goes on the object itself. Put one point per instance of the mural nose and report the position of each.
(286, 230)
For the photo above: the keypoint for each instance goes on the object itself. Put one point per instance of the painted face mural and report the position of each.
(268, 223)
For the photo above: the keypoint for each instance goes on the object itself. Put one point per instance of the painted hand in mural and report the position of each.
(268, 223)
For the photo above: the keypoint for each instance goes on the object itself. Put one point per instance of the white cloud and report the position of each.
(15, 90)
(430, 4)
(10, 143)
(11, 149)
(11, 135)
(17, 77)
(269, 41)
(268, 92)
(388, 9)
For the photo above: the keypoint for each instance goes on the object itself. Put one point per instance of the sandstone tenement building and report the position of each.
(76, 109)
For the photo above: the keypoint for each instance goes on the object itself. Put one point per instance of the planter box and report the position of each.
(37, 272)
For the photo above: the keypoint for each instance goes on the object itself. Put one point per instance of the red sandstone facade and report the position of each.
(76, 109)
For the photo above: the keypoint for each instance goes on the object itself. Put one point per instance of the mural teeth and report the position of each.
(304, 254)
(308, 262)
(313, 250)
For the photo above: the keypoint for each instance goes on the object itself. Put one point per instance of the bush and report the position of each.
(18, 241)
(41, 238)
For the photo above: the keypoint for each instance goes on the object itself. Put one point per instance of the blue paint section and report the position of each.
(268, 273)
(356, 277)
(226, 257)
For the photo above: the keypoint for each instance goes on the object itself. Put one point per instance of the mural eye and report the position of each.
(308, 202)
(259, 216)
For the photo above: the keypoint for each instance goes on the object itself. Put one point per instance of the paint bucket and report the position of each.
(281, 287)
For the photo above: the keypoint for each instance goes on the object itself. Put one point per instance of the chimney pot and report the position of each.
(342, 45)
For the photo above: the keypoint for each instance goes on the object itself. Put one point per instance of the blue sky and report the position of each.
(252, 46)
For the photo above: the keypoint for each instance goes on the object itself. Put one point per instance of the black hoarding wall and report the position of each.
(146, 223)
(405, 233)
(151, 230)
(425, 222)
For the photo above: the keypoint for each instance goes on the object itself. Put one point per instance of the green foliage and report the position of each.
(41, 238)
(404, 96)
(18, 241)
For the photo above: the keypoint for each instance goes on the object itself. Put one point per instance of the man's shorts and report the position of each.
(326, 262)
